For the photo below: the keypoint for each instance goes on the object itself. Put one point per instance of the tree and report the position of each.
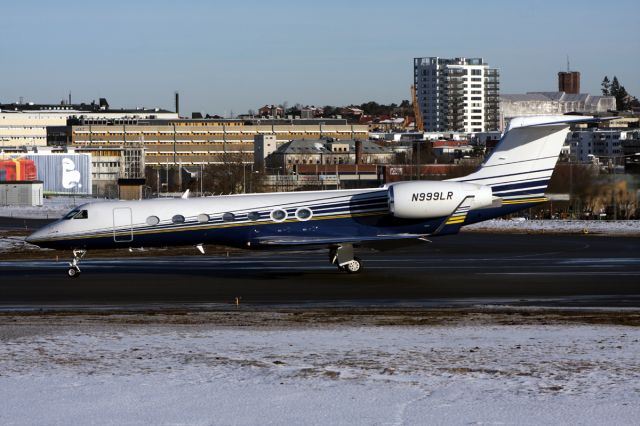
(234, 176)
(295, 111)
(615, 86)
(606, 86)
(623, 100)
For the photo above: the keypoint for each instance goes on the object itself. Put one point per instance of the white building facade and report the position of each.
(459, 94)
(586, 146)
(28, 128)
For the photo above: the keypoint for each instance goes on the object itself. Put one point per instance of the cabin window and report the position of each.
(203, 218)
(177, 219)
(228, 217)
(153, 220)
(278, 215)
(253, 216)
(303, 213)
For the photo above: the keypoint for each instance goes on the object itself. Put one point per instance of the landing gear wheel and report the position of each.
(353, 267)
(74, 269)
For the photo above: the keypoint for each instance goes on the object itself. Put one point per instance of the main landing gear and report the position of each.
(74, 269)
(342, 256)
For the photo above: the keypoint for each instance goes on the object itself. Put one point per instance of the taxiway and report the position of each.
(463, 270)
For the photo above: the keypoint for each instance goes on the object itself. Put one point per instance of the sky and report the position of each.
(228, 57)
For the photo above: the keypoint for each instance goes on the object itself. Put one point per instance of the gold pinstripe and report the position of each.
(451, 222)
(526, 200)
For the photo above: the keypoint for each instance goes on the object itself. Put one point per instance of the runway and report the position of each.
(469, 269)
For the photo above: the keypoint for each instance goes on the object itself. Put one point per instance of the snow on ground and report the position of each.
(614, 227)
(312, 375)
(10, 244)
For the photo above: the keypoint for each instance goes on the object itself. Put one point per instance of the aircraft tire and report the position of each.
(354, 267)
(73, 273)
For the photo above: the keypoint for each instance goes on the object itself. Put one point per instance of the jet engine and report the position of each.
(431, 199)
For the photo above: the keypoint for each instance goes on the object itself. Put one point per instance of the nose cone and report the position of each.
(41, 236)
(34, 238)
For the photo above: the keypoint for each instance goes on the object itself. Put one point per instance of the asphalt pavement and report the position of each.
(469, 269)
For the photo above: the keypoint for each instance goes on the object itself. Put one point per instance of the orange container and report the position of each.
(18, 169)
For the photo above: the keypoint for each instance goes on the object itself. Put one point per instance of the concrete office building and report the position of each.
(587, 145)
(328, 152)
(263, 146)
(25, 124)
(459, 94)
(168, 142)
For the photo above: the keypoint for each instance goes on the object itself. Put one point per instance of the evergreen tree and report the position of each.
(623, 99)
(606, 86)
(620, 93)
(615, 86)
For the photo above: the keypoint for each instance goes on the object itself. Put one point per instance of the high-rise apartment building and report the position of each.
(459, 94)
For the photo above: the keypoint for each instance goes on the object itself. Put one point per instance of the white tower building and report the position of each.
(459, 94)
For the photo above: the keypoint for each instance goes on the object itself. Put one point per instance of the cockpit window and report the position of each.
(82, 214)
(76, 214)
(71, 214)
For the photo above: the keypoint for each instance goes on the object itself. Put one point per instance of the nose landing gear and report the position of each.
(342, 256)
(74, 269)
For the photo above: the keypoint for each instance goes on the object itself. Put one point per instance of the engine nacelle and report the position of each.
(431, 199)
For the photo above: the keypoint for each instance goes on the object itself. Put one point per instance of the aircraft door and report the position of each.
(122, 225)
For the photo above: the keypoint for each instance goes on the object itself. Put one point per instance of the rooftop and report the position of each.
(101, 106)
(323, 146)
(552, 96)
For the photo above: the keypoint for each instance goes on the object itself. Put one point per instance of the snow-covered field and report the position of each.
(319, 375)
(619, 227)
(13, 244)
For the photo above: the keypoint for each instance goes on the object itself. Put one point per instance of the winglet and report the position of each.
(185, 195)
(452, 223)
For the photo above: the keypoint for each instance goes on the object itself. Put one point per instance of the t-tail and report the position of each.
(519, 169)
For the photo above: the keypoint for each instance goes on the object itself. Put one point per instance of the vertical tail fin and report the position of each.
(520, 167)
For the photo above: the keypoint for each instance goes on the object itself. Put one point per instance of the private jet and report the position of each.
(514, 177)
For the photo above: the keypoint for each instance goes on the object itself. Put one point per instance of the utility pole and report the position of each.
(571, 186)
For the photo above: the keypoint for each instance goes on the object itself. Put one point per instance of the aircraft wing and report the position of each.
(450, 225)
(296, 240)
